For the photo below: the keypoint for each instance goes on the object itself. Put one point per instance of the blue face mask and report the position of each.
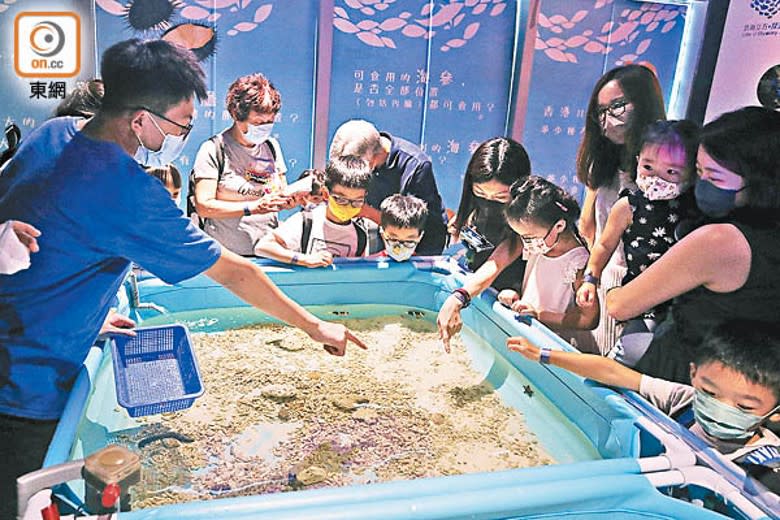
(722, 421)
(713, 201)
(171, 149)
(258, 134)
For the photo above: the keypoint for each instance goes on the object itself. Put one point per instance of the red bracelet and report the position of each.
(463, 297)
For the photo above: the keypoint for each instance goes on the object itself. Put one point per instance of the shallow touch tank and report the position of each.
(638, 451)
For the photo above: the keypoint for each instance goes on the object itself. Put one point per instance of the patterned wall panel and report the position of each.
(435, 73)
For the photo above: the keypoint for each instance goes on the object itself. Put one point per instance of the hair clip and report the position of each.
(563, 208)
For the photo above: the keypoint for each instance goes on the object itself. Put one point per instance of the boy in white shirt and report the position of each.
(403, 220)
(734, 390)
(313, 238)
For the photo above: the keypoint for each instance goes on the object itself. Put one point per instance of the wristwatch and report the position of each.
(247, 211)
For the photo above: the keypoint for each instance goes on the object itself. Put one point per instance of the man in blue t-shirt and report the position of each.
(97, 211)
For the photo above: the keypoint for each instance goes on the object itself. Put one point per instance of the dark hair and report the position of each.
(166, 174)
(348, 171)
(403, 211)
(84, 100)
(747, 142)
(749, 347)
(598, 158)
(499, 158)
(318, 179)
(683, 134)
(252, 92)
(154, 74)
(540, 201)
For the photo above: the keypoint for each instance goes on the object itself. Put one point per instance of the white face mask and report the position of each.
(398, 251)
(656, 188)
(171, 148)
(258, 134)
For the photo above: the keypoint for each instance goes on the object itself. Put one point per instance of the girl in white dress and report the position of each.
(545, 218)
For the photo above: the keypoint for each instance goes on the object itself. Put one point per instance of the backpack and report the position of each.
(362, 234)
(13, 135)
(219, 144)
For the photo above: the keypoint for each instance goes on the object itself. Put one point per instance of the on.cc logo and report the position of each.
(47, 39)
(47, 44)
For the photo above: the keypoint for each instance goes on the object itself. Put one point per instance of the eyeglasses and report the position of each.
(184, 128)
(343, 201)
(409, 244)
(615, 109)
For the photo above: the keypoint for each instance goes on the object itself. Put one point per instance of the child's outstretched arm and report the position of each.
(619, 219)
(604, 370)
(274, 247)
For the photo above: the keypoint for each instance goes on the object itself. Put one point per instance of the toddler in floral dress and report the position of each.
(646, 220)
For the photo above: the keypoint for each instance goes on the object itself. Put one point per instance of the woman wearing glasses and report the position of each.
(239, 174)
(623, 102)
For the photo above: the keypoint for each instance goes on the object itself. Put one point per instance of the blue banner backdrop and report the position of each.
(437, 73)
(275, 38)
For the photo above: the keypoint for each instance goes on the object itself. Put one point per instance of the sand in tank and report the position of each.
(281, 414)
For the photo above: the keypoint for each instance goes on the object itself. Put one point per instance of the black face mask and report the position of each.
(713, 201)
(489, 219)
(488, 209)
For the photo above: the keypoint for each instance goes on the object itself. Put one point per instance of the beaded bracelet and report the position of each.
(462, 296)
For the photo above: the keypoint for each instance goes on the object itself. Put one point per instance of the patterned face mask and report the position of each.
(537, 245)
(656, 188)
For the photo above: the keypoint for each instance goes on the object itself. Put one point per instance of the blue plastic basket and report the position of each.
(156, 371)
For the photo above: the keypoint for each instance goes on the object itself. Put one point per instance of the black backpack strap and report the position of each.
(362, 237)
(273, 144)
(219, 144)
(306, 232)
(12, 137)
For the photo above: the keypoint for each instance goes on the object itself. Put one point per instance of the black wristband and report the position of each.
(463, 296)
(247, 211)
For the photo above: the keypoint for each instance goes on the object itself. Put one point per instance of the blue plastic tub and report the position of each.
(633, 447)
(156, 371)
